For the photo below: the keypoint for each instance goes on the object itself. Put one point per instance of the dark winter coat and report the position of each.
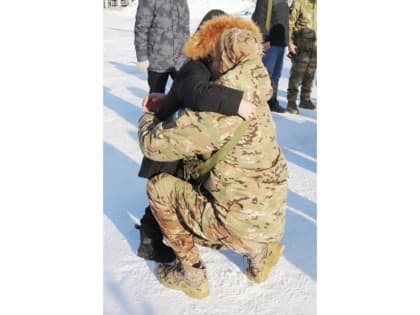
(162, 27)
(278, 33)
(192, 89)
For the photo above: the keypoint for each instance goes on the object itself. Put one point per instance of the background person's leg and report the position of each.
(275, 77)
(307, 82)
(299, 65)
(270, 60)
(157, 81)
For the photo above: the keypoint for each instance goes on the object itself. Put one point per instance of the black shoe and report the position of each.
(273, 102)
(292, 107)
(277, 108)
(307, 104)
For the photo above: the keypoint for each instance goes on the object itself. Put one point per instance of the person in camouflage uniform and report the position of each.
(241, 206)
(160, 32)
(303, 52)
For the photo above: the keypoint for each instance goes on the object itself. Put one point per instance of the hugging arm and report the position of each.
(193, 89)
(200, 94)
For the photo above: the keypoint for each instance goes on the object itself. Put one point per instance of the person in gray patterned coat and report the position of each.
(161, 29)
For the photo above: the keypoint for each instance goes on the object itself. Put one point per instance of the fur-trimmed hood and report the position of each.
(204, 40)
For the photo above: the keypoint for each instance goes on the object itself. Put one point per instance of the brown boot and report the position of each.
(259, 265)
(192, 280)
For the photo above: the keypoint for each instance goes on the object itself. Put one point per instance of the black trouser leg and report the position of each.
(158, 80)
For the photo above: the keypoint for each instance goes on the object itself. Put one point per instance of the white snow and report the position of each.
(130, 284)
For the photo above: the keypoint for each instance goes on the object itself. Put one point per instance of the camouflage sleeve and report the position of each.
(142, 26)
(293, 18)
(177, 139)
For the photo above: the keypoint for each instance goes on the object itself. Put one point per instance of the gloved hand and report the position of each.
(142, 66)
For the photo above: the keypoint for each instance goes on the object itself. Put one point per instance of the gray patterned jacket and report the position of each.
(161, 30)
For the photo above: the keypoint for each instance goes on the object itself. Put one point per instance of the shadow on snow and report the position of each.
(124, 193)
(124, 109)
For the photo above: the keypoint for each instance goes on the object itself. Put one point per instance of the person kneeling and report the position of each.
(241, 205)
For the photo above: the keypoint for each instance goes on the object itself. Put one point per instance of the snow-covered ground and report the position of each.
(130, 284)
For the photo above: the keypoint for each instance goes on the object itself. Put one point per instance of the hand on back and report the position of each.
(246, 109)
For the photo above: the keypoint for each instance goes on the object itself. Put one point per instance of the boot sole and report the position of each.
(191, 292)
(294, 112)
(275, 251)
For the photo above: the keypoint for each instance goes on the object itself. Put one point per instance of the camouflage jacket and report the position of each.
(303, 14)
(249, 184)
(161, 29)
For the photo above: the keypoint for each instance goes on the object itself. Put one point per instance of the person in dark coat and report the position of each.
(192, 88)
(161, 30)
(275, 30)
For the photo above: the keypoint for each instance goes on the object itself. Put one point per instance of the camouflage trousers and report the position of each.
(187, 217)
(302, 74)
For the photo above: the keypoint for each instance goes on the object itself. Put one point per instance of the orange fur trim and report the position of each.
(204, 40)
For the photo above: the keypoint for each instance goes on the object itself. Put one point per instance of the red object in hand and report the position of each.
(153, 102)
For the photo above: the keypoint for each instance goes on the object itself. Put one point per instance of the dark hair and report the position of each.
(211, 14)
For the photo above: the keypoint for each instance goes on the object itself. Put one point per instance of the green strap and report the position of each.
(268, 18)
(205, 167)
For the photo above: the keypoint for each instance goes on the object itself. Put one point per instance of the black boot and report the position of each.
(273, 102)
(276, 108)
(292, 107)
(151, 240)
(307, 104)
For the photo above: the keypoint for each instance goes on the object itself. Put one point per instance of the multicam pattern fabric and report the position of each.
(161, 30)
(248, 188)
(186, 218)
(303, 15)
